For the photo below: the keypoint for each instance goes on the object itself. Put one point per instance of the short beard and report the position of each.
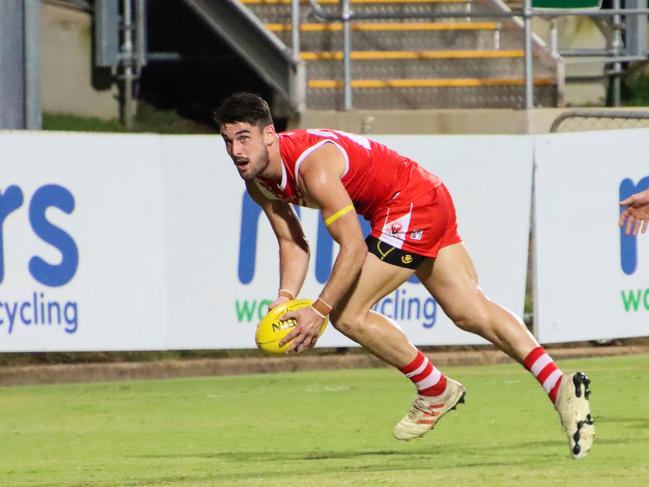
(264, 161)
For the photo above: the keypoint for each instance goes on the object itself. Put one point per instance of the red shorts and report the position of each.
(422, 224)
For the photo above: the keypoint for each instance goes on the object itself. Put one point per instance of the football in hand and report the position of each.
(271, 330)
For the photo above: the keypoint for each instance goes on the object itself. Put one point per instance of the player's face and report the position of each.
(247, 146)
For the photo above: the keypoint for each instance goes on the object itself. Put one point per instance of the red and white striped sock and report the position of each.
(428, 379)
(541, 365)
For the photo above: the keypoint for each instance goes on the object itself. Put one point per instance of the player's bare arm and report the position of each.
(635, 217)
(320, 181)
(293, 246)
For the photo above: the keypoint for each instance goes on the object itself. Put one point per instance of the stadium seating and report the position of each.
(419, 62)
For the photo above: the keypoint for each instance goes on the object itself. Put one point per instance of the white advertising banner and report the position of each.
(592, 281)
(82, 243)
(124, 242)
(203, 218)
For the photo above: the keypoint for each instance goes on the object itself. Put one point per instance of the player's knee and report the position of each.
(474, 322)
(473, 317)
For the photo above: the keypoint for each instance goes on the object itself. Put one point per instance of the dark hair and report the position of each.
(244, 108)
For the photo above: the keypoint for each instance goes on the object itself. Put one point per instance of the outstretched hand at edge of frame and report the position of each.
(635, 217)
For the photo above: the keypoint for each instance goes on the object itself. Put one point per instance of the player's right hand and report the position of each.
(306, 332)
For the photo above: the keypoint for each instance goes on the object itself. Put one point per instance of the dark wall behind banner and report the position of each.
(208, 70)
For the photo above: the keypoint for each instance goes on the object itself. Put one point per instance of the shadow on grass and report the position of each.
(632, 422)
(406, 461)
(291, 466)
(424, 452)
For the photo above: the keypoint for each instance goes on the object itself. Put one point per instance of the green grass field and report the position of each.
(320, 429)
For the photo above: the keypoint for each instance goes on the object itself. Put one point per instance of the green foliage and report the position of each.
(320, 428)
(635, 91)
(148, 120)
(76, 123)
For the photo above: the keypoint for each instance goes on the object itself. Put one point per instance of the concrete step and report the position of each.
(418, 55)
(416, 63)
(354, 3)
(459, 94)
(419, 64)
(362, 84)
(280, 11)
(369, 36)
(385, 26)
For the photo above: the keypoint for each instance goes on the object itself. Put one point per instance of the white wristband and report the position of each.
(318, 313)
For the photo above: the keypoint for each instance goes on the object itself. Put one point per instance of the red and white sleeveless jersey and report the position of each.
(374, 174)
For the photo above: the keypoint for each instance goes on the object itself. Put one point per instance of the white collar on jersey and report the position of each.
(282, 185)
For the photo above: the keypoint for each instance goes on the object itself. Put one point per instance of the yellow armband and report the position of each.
(332, 218)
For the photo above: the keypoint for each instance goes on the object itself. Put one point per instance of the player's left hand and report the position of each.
(279, 300)
(306, 333)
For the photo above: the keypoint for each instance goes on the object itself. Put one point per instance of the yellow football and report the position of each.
(271, 330)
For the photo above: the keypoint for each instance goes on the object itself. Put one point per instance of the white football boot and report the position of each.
(426, 411)
(574, 411)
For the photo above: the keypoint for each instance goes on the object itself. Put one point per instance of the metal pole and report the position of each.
(127, 53)
(347, 54)
(295, 29)
(554, 38)
(140, 36)
(635, 30)
(33, 109)
(529, 73)
(616, 80)
(12, 82)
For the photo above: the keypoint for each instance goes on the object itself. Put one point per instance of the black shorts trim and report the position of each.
(392, 255)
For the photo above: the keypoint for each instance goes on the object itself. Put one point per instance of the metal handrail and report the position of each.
(527, 13)
(607, 114)
(319, 12)
(295, 29)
